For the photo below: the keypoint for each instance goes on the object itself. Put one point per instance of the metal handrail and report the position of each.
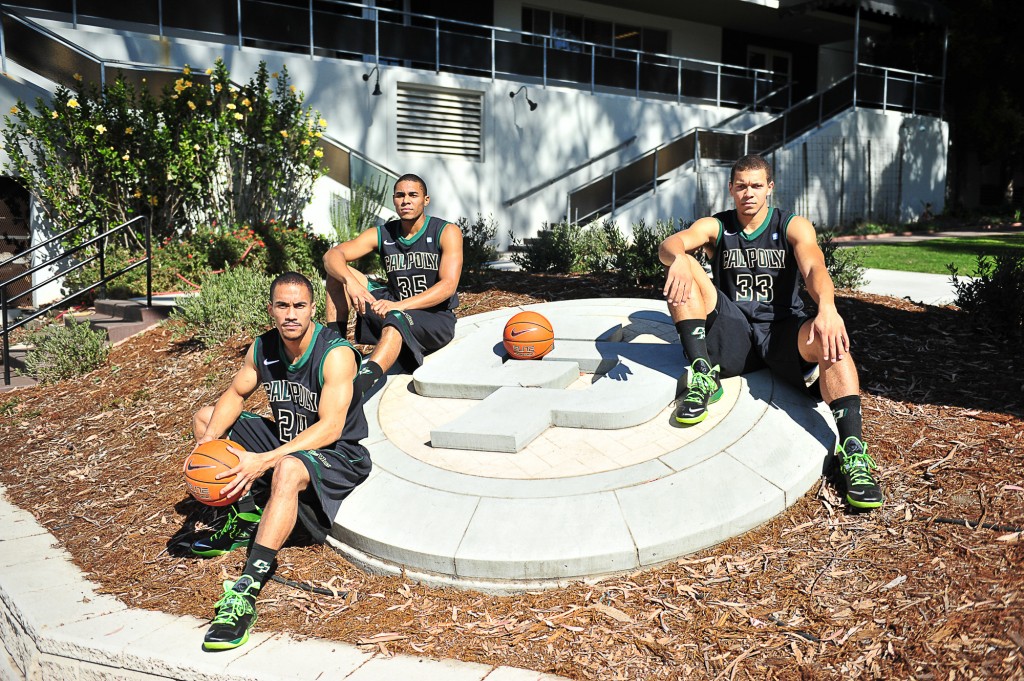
(101, 239)
(519, 39)
(791, 129)
(570, 171)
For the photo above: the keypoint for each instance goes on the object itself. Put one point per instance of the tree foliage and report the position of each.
(203, 151)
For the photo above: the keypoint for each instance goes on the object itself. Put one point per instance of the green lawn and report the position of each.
(933, 255)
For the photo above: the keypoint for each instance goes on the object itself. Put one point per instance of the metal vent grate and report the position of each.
(440, 122)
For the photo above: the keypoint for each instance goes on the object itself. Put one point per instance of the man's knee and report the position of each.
(201, 421)
(290, 477)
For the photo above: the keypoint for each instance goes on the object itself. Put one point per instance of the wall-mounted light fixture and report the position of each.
(376, 84)
(533, 104)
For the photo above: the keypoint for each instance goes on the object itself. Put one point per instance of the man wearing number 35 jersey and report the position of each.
(413, 314)
(297, 466)
(752, 316)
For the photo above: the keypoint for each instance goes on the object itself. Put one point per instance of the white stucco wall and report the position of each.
(906, 155)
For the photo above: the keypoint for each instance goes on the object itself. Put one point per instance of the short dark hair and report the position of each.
(409, 177)
(291, 278)
(750, 162)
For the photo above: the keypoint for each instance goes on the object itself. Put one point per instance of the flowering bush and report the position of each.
(205, 152)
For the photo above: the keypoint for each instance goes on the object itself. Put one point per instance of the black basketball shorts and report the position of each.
(739, 346)
(333, 473)
(423, 331)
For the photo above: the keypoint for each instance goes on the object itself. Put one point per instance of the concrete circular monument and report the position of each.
(506, 475)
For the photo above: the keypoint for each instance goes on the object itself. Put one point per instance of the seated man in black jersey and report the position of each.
(307, 458)
(752, 316)
(413, 315)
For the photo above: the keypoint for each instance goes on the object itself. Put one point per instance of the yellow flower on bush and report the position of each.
(305, 143)
(284, 133)
(274, 74)
(318, 153)
(14, 111)
(129, 130)
(232, 107)
(322, 123)
(246, 102)
(238, 116)
(209, 102)
(72, 103)
(218, 87)
(153, 200)
(318, 134)
(53, 114)
(78, 77)
(101, 128)
(209, 71)
(186, 70)
(191, 105)
(126, 157)
(292, 88)
(196, 147)
(138, 194)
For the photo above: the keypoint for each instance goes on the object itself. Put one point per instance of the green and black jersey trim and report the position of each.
(338, 343)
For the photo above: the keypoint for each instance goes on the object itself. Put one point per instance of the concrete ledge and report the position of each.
(53, 625)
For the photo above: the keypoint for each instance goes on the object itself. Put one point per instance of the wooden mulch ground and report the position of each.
(818, 592)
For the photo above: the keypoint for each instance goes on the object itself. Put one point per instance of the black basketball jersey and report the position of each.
(757, 271)
(412, 264)
(294, 389)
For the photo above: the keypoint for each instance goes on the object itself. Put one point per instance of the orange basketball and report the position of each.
(202, 467)
(528, 335)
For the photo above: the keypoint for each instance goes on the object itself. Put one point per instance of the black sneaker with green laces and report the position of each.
(704, 388)
(238, 529)
(856, 466)
(236, 615)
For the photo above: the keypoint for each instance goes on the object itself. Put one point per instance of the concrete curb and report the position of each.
(54, 625)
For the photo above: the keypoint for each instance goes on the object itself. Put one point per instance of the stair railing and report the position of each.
(100, 241)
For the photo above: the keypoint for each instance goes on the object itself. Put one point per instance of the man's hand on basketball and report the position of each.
(678, 282)
(830, 329)
(250, 467)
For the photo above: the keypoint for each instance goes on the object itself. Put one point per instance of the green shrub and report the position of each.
(994, 299)
(843, 264)
(65, 351)
(231, 303)
(550, 251)
(478, 248)
(636, 259)
(293, 249)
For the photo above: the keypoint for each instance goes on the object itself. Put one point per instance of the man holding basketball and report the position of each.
(752, 315)
(309, 455)
(413, 315)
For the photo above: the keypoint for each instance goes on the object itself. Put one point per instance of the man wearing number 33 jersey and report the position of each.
(752, 316)
(413, 314)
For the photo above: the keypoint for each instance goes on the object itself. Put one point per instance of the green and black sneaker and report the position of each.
(236, 532)
(704, 388)
(236, 615)
(856, 466)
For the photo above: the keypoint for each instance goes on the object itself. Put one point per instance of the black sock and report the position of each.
(692, 336)
(846, 411)
(260, 564)
(336, 326)
(366, 377)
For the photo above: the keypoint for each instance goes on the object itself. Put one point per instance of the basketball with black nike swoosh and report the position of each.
(201, 469)
(528, 335)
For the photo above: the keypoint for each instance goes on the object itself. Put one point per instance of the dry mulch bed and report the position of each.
(818, 592)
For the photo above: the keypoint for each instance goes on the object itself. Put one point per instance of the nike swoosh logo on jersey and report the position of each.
(389, 243)
(519, 333)
(268, 362)
(193, 467)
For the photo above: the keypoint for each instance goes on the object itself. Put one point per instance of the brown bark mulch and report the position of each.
(817, 593)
